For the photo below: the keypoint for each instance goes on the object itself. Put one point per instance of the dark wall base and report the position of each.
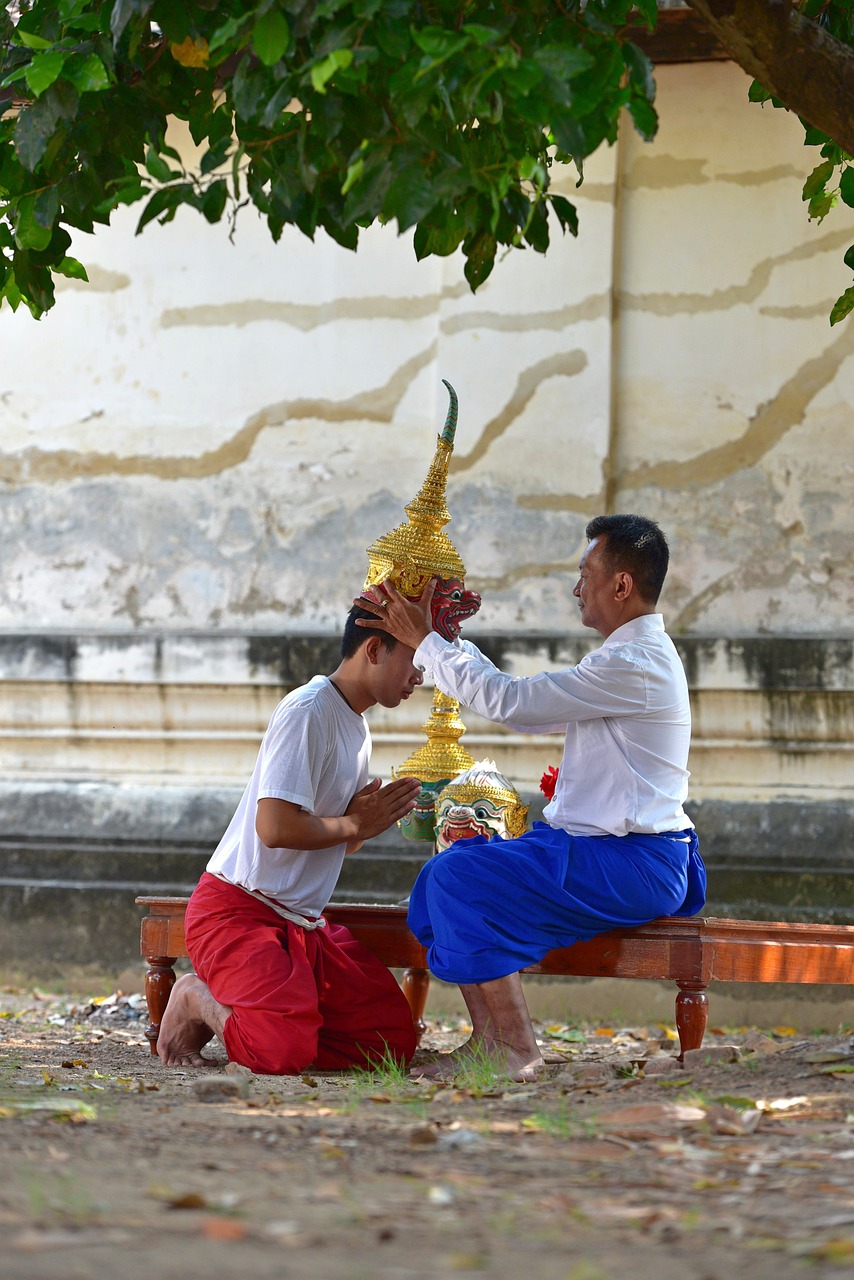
(74, 856)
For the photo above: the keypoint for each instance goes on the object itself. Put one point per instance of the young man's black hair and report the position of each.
(354, 636)
(637, 545)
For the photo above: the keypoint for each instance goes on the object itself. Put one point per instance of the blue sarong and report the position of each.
(487, 908)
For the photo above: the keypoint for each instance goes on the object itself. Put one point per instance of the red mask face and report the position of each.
(453, 604)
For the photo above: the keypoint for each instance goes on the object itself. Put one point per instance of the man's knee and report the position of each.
(270, 1046)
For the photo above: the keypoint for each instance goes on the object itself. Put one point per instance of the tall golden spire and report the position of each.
(418, 550)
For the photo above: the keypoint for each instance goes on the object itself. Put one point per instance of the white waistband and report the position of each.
(284, 912)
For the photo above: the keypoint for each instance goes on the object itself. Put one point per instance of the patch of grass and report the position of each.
(476, 1072)
(62, 1198)
(388, 1078)
(562, 1121)
(389, 1072)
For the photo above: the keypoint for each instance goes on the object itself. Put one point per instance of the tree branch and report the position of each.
(798, 61)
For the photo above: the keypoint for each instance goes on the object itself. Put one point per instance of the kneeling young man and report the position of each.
(279, 986)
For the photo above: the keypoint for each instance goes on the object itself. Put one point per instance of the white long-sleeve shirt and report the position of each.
(627, 718)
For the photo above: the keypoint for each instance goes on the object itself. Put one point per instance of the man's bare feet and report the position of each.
(192, 1018)
(479, 1058)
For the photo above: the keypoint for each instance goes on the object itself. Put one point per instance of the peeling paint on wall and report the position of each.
(194, 448)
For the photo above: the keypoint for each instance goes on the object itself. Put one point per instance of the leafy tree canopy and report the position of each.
(446, 117)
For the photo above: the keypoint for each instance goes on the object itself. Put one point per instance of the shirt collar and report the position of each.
(646, 625)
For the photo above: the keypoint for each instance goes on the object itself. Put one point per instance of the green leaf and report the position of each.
(561, 62)
(537, 230)
(123, 11)
(480, 258)
(846, 186)
(821, 204)
(29, 232)
(758, 93)
(230, 33)
(480, 34)
(43, 70)
(213, 201)
(215, 156)
(14, 76)
(566, 213)
(323, 71)
(354, 173)
(568, 133)
(249, 89)
(849, 258)
(31, 40)
(531, 170)
(645, 118)
(411, 196)
(442, 238)
(640, 70)
(812, 137)
(648, 9)
(271, 36)
(37, 125)
(46, 207)
(72, 268)
(88, 73)
(843, 305)
(11, 293)
(438, 43)
(817, 179)
(276, 104)
(165, 201)
(158, 168)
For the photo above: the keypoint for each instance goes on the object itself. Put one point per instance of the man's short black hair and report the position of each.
(355, 636)
(636, 545)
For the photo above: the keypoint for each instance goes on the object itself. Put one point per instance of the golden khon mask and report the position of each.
(480, 802)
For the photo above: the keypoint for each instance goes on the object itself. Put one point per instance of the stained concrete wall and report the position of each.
(196, 449)
(208, 435)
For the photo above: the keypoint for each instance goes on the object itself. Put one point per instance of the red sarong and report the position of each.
(298, 997)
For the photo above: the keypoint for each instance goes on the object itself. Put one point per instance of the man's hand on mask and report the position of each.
(409, 621)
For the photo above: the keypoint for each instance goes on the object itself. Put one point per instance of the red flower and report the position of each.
(548, 781)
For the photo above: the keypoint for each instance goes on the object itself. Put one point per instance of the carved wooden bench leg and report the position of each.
(416, 984)
(159, 981)
(692, 1014)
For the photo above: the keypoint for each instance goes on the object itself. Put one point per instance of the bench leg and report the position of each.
(159, 981)
(416, 984)
(692, 1014)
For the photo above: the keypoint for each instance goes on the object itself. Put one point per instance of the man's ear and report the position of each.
(374, 650)
(625, 585)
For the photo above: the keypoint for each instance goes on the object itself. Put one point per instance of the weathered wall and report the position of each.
(208, 435)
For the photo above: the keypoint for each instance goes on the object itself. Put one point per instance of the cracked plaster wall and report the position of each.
(209, 435)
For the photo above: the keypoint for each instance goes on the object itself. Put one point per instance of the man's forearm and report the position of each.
(302, 830)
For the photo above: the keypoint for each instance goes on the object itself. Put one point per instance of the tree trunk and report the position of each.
(798, 61)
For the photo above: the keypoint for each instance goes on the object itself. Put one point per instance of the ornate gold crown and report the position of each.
(414, 552)
(442, 756)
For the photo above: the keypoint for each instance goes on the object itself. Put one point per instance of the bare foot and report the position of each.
(480, 1057)
(192, 1018)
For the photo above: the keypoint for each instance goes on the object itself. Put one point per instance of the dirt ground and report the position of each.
(621, 1162)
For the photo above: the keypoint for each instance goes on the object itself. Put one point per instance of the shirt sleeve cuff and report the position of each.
(430, 648)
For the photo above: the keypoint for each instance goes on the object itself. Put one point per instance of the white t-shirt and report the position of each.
(315, 753)
(627, 718)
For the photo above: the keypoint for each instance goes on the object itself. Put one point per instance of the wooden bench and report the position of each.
(690, 952)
